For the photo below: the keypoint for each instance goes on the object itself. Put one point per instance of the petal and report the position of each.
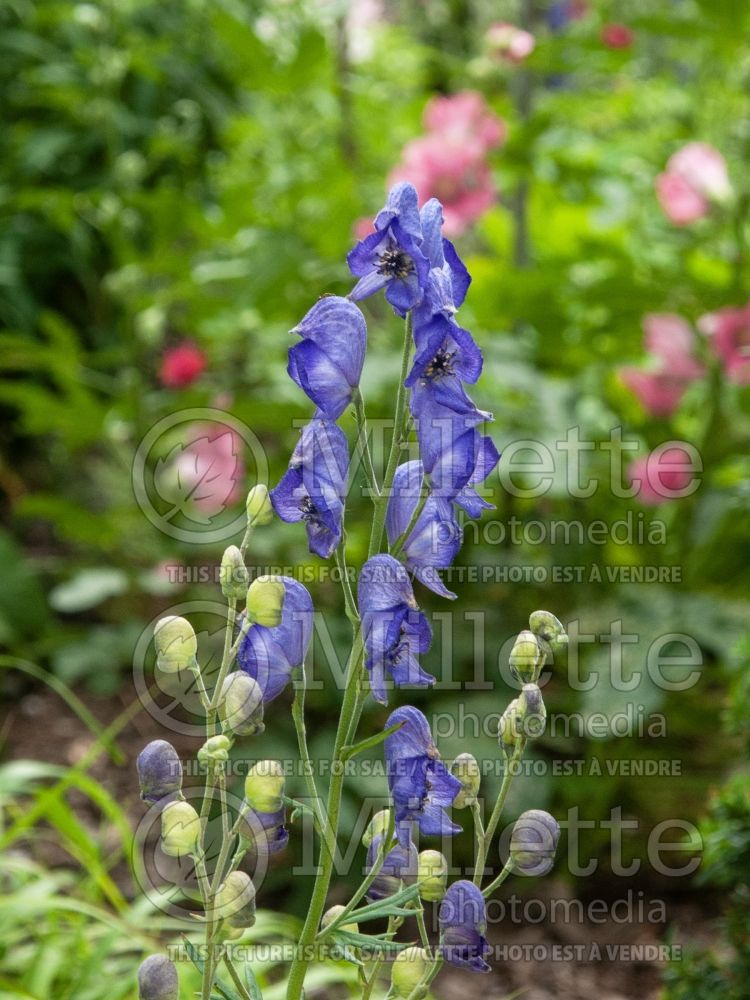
(413, 739)
(384, 584)
(287, 495)
(402, 204)
(460, 277)
(431, 217)
(337, 326)
(363, 258)
(408, 672)
(429, 577)
(320, 377)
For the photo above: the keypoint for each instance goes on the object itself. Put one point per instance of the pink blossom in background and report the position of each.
(363, 227)
(617, 36)
(695, 176)
(667, 473)
(670, 344)
(510, 42)
(209, 468)
(450, 161)
(181, 365)
(728, 331)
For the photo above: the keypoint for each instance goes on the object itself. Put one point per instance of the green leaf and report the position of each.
(371, 942)
(389, 907)
(356, 748)
(87, 589)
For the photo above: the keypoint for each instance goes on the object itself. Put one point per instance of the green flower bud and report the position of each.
(264, 786)
(157, 979)
(331, 914)
(180, 829)
(377, 827)
(176, 644)
(265, 601)
(507, 734)
(233, 574)
(407, 970)
(466, 769)
(546, 626)
(214, 753)
(241, 704)
(433, 875)
(259, 509)
(235, 900)
(526, 658)
(532, 715)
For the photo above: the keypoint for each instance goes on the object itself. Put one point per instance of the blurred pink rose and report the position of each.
(181, 365)
(695, 176)
(667, 473)
(617, 36)
(670, 343)
(729, 333)
(209, 468)
(509, 42)
(450, 161)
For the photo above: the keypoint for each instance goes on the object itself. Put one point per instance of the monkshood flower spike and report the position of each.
(394, 630)
(269, 655)
(391, 257)
(327, 363)
(314, 487)
(463, 924)
(421, 786)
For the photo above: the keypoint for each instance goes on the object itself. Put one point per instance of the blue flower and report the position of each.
(394, 630)
(400, 864)
(485, 458)
(448, 279)
(421, 786)
(313, 488)
(327, 363)
(390, 257)
(463, 924)
(434, 541)
(265, 832)
(269, 655)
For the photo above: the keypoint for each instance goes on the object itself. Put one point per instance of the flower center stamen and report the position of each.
(441, 364)
(396, 263)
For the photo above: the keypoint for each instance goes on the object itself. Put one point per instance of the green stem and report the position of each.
(298, 716)
(402, 539)
(226, 659)
(507, 870)
(236, 978)
(376, 535)
(484, 844)
(364, 444)
(350, 604)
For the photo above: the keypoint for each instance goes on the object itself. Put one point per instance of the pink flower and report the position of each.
(667, 473)
(363, 227)
(617, 36)
(509, 42)
(209, 469)
(670, 343)
(695, 176)
(450, 161)
(729, 334)
(181, 365)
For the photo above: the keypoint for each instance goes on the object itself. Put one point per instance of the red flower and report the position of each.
(181, 365)
(617, 36)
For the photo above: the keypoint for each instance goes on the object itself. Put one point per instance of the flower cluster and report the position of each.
(450, 161)
(269, 626)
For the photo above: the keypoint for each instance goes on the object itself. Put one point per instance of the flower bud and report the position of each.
(507, 734)
(265, 601)
(235, 900)
(526, 658)
(259, 509)
(432, 874)
(546, 626)
(264, 786)
(214, 753)
(241, 704)
(533, 842)
(466, 769)
(531, 713)
(331, 914)
(176, 644)
(377, 827)
(157, 979)
(159, 771)
(180, 829)
(407, 970)
(233, 574)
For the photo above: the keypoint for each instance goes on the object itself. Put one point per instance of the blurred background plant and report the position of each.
(179, 180)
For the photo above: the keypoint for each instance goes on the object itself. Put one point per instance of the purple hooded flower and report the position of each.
(390, 257)
(421, 785)
(269, 655)
(400, 864)
(313, 488)
(265, 832)
(159, 772)
(463, 924)
(327, 363)
(448, 280)
(395, 631)
(435, 539)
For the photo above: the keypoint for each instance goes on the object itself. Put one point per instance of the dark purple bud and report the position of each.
(159, 772)
(533, 842)
(157, 979)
